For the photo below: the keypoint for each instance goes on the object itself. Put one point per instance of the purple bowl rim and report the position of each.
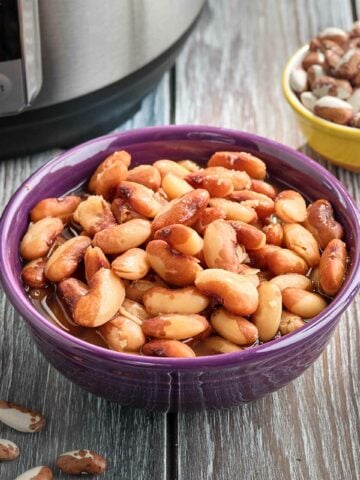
(337, 306)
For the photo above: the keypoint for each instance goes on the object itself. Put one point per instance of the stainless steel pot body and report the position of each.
(86, 45)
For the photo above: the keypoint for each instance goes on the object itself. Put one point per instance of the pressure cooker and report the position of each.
(73, 69)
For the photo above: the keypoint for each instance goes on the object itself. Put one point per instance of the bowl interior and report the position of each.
(68, 171)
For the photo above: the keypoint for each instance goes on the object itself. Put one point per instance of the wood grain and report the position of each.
(76, 419)
(229, 75)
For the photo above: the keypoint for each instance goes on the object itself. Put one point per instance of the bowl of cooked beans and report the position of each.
(181, 267)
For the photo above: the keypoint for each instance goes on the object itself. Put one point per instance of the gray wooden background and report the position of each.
(229, 75)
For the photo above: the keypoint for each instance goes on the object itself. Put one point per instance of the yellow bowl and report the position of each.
(337, 143)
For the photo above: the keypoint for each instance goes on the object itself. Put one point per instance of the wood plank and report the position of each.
(76, 419)
(230, 75)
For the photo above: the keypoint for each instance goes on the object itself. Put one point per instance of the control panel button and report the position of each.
(5, 87)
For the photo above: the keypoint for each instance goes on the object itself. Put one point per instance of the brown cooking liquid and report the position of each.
(47, 302)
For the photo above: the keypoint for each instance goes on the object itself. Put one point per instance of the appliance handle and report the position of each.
(29, 26)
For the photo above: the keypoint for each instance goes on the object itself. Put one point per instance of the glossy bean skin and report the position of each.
(173, 267)
(321, 223)
(302, 242)
(186, 300)
(119, 238)
(234, 328)
(182, 238)
(174, 326)
(247, 162)
(237, 293)
(185, 210)
(61, 207)
(167, 348)
(332, 267)
(146, 175)
(221, 249)
(132, 264)
(39, 238)
(123, 335)
(94, 214)
(268, 314)
(290, 206)
(303, 303)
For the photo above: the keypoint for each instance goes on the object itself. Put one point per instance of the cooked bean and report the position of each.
(294, 280)
(94, 259)
(147, 175)
(322, 224)
(118, 239)
(290, 322)
(259, 258)
(268, 314)
(94, 214)
(182, 238)
(251, 237)
(109, 174)
(131, 265)
(221, 249)
(69, 292)
(174, 326)
(175, 186)
(282, 261)
(140, 198)
(186, 300)
(104, 298)
(33, 273)
(263, 205)
(135, 290)
(61, 207)
(215, 345)
(302, 242)
(166, 166)
(134, 311)
(290, 206)
(274, 234)
(189, 165)
(185, 210)
(259, 186)
(303, 303)
(236, 292)
(122, 334)
(174, 267)
(66, 258)
(39, 238)
(123, 211)
(217, 183)
(315, 279)
(234, 328)
(252, 165)
(207, 216)
(332, 267)
(167, 348)
(233, 210)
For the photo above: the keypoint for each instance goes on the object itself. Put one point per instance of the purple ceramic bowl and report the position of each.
(178, 384)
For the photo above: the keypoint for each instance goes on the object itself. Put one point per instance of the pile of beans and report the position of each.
(176, 260)
(328, 80)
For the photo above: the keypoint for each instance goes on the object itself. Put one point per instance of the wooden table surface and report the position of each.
(228, 75)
